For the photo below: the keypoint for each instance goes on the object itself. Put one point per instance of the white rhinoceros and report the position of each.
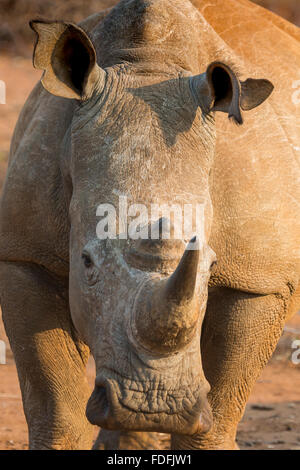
(142, 92)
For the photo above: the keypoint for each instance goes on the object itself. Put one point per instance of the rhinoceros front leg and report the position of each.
(240, 333)
(50, 360)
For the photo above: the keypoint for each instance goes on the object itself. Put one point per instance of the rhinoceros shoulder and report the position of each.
(33, 216)
(255, 188)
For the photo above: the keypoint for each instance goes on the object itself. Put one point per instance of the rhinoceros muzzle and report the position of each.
(112, 406)
(163, 332)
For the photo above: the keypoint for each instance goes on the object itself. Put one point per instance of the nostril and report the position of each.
(98, 406)
(102, 399)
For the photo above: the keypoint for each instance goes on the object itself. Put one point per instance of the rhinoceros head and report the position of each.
(142, 129)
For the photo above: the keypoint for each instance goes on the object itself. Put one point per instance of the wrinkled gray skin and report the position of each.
(140, 124)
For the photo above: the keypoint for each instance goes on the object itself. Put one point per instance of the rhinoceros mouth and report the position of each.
(114, 407)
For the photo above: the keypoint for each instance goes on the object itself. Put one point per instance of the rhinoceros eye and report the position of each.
(87, 261)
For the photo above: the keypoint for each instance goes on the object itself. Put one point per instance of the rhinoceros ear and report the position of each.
(219, 89)
(68, 58)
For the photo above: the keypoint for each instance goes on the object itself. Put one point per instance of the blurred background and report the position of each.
(289, 9)
(272, 419)
(15, 35)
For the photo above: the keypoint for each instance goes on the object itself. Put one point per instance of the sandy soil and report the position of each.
(272, 417)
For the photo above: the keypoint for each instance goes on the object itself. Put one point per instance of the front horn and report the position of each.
(166, 311)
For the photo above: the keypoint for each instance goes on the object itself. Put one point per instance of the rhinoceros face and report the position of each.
(143, 329)
(139, 302)
(143, 131)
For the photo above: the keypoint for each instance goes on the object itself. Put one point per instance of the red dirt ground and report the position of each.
(272, 417)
